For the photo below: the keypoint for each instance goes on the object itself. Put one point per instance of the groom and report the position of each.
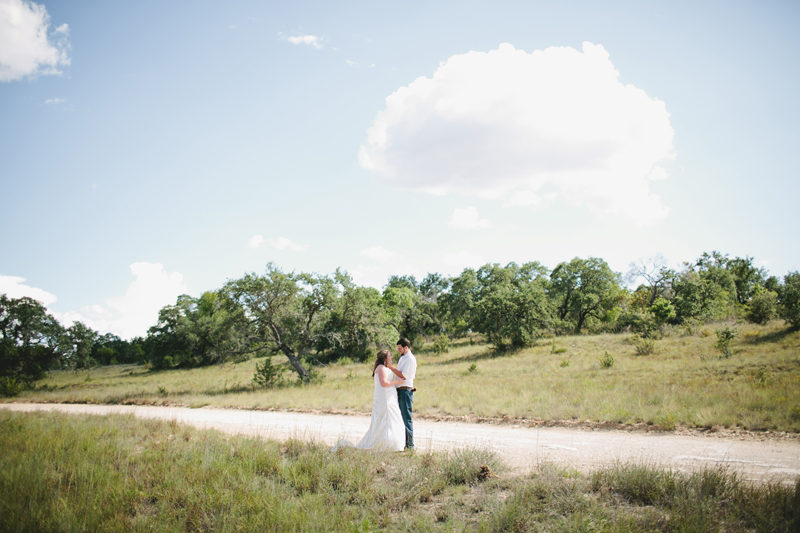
(406, 369)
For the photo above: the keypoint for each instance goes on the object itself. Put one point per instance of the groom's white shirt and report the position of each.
(407, 365)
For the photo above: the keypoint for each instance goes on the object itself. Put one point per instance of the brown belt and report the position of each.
(406, 388)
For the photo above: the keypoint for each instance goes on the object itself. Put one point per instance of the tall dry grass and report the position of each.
(684, 381)
(119, 473)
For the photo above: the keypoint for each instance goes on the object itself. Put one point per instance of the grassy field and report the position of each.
(119, 473)
(685, 382)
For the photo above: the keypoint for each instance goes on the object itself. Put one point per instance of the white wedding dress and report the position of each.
(386, 429)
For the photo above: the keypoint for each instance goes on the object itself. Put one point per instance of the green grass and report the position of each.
(683, 382)
(119, 473)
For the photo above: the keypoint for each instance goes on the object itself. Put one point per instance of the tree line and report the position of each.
(313, 318)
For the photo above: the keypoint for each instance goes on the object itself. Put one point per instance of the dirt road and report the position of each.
(522, 448)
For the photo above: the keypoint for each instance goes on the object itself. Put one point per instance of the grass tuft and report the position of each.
(119, 473)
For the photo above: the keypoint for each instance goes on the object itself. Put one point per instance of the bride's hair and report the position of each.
(380, 360)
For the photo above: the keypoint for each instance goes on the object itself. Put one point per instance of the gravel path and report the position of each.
(522, 448)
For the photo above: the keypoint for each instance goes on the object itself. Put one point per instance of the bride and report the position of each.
(386, 429)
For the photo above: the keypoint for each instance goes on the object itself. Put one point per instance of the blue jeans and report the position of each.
(406, 399)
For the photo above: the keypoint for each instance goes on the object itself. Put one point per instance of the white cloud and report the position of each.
(256, 241)
(461, 260)
(54, 101)
(282, 243)
(311, 40)
(13, 287)
(137, 310)
(468, 219)
(503, 124)
(376, 275)
(380, 254)
(25, 48)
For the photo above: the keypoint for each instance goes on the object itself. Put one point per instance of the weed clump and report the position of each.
(268, 374)
(643, 345)
(441, 345)
(10, 387)
(607, 361)
(724, 338)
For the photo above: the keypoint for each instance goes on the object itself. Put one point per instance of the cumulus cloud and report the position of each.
(137, 310)
(26, 49)
(505, 123)
(380, 254)
(14, 287)
(468, 219)
(256, 241)
(311, 40)
(54, 101)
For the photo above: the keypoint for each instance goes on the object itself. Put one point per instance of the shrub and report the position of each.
(763, 307)
(268, 375)
(643, 345)
(9, 387)
(607, 361)
(662, 311)
(315, 376)
(724, 338)
(789, 299)
(441, 344)
(643, 323)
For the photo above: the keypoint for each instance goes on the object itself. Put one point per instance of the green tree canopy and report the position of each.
(458, 303)
(283, 312)
(77, 343)
(30, 339)
(789, 299)
(747, 279)
(511, 307)
(357, 321)
(584, 288)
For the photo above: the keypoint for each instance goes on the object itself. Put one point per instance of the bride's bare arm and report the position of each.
(383, 378)
(396, 372)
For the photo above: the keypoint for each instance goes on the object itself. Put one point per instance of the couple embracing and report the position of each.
(390, 425)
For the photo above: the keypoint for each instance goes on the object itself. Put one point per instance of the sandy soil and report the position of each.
(521, 447)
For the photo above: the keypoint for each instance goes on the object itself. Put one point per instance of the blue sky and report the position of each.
(151, 149)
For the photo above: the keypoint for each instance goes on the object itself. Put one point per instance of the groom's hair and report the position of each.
(405, 343)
